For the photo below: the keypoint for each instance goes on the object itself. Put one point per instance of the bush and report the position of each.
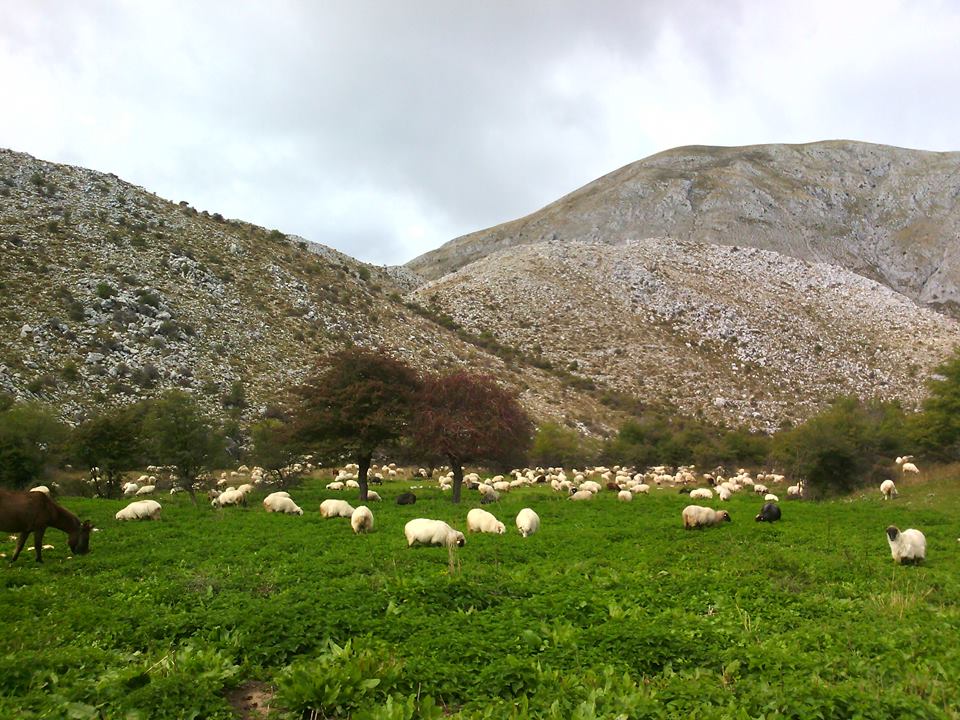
(31, 441)
(556, 445)
(105, 290)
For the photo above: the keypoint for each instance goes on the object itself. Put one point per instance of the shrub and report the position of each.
(105, 290)
(31, 440)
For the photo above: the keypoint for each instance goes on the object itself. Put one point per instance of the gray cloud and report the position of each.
(386, 128)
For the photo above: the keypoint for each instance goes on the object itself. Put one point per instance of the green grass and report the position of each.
(611, 610)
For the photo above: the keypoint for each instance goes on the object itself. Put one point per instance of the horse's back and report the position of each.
(22, 510)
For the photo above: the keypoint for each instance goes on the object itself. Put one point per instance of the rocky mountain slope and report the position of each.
(889, 214)
(109, 293)
(741, 335)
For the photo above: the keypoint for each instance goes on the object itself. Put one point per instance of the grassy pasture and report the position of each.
(611, 610)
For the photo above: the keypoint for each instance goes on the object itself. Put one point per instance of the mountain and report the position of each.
(109, 294)
(886, 213)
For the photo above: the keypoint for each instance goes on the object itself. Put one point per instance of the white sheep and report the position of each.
(361, 520)
(642, 488)
(140, 510)
(484, 522)
(760, 489)
(724, 493)
(701, 494)
(336, 485)
(909, 546)
(909, 467)
(229, 497)
(582, 495)
(528, 522)
(146, 490)
(352, 484)
(591, 486)
(280, 502)
(432, 532)
(335, 508)
(373, 496)
(699, 516)
(130, 488)
(889, 489)
(624, 496)
(795, 491)
(770, 497)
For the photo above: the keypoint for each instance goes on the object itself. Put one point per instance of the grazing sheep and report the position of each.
(528, 522)
(701, 494)
(130, 488)
(352, 484)
(909, 467)
(501, 486)
(724, 493)
(760, 489)
(490, 497)
(642, 488)
(432, 532)
(770, 512)
(361, 520)
(336, 508)
(373, 496)
(795, 491)
(624, 496)
(909, 546)
(581, 495)
(481, 521)
(146, 490)
(407, 498)
(770, 497)
(140, 510)
(699, 516)
(336, 485)
(590, 486)
(229, 497)
(280, 502)
(889, 489)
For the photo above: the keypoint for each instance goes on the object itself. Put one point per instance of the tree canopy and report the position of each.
(110, 441)
(31, 439)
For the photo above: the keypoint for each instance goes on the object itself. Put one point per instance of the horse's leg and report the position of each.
(38, 542)
(20, 543)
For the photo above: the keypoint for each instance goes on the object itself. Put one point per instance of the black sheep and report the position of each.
(407, 498)
(769, 513)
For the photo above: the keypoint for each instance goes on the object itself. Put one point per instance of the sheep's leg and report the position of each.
(20, 543)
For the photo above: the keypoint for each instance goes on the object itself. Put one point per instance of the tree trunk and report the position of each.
(363, 463)
(457, 478)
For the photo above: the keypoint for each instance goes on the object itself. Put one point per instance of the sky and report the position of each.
(386, 128)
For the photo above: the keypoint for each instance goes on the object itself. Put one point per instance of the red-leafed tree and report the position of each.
(468, 418)
(357, 402)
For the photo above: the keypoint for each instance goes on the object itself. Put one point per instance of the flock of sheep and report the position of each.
(907, 546)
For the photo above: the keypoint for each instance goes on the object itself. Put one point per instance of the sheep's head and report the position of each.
(724, 515)
(893, 533)
(501, 529)
(460, 540)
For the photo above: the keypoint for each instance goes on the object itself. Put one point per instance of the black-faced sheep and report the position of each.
(909, 546)
(770, 512)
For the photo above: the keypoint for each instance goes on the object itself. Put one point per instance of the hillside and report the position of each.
(109, 293)
(742, 335)
(889, 214)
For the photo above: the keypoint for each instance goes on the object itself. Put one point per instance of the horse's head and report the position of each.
(79, 539)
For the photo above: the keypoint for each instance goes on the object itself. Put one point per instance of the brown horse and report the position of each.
(26, 512)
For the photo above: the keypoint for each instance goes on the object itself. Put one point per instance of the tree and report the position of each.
(110, 441)
(357, 402)
(176, 433)
(936, 430)
(31, 439)
(465, 417)
(556, 445)
(274, 448)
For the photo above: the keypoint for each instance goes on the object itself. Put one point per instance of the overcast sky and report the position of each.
(386, 128)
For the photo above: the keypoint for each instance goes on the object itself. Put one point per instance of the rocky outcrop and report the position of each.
(889, 214)
(740, 335)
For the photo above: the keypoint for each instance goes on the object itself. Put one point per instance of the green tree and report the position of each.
(464, 417)
(110, 441)
(31, 440)
(176, 433)
(936, 430)
(556, 445)
(358, 402)
(274, 448)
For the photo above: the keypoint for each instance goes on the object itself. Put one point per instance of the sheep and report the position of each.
(723, 493)
(336, 485)
(701, 494)
(146, 490)
(280, 502)
(491, 497)
(909, 467)
(432, 532)
(770, 512)
(229, 497)
(760, 489)
(481, 521)
(130, 488)
(140, 510)
(624, 496)
(361, 520)
(642, 488)
(407, 498)
(889, 489)
(41, 489)
(909, 546)
(770, 497)
(795, 491)
(373, 496)
(699, 516)
(528, 522)
(581, 495)
(590, 486)
(352, 484)
(335, 508)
